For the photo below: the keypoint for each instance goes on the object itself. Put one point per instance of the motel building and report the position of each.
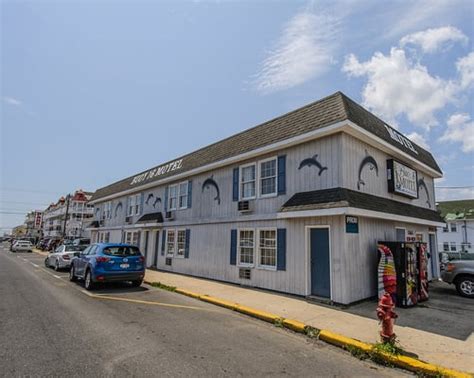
(296, 204)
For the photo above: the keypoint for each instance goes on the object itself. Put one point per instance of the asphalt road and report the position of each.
(52, 327)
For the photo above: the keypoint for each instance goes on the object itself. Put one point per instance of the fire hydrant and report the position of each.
(386, 316)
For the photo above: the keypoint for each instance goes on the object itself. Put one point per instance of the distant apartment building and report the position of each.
(34, 223)
(458, 233)
(19, 231)
(68, 216)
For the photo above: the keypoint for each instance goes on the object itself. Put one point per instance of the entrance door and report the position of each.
(319, 261)
(155, 257)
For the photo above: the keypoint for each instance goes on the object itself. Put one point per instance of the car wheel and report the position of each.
(137, 283)
(465, 286)
(46, 263)
(72, 274)
(88, 283)
(56, 266)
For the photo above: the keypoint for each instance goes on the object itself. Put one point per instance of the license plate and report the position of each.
(125, 265)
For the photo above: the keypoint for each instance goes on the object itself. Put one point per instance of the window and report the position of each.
(268, 177)
(248, 181)
(454, 227)
(445, 228)
(267, 248)
(446, 246)
(134, 204)
(246, 247)
(181, 243)
(121, 251)
(183, 195)
(453, 246)
(400, 234)
(108, 210)
(170, 242)
(132, 237)
(172, 197)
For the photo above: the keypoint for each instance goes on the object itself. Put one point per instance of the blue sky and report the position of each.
(94, 91)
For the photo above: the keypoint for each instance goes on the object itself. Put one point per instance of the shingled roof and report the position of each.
(341, 197)
(319, 114)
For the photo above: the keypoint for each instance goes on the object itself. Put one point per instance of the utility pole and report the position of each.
(67, 213)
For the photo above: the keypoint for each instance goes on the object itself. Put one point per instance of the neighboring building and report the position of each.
(458, 233)
(296, 204)
(34, 223)
(19, 231)
(78, 211)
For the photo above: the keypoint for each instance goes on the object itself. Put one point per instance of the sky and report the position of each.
(96, 91)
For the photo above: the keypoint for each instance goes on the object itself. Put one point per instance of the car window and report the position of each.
(93, 250)
(121, 251)
(86, 251)
(73, 248)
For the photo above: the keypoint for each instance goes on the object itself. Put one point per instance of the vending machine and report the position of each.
(405, 261)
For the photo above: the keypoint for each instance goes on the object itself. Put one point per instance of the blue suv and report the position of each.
(108, 262)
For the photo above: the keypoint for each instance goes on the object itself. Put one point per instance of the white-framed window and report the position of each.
(180, 243)
(454, 227)
(104, 237)
(172, 197)
(134, 205)
(445, 228)
(132, 237)
(267, 248)
(108, 210)
(453, 246)
(248, 181)
(446, 247)
(268, 177)
(170, 242)
(246, 247)
(183, 195)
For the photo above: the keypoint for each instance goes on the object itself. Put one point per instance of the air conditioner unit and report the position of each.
(128, 219)
(245, 273)
(245, 206)
(101, 222)
(168, 261)
(169, 215)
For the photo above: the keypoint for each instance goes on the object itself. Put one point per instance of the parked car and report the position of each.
(52, 244)
(461, 274)
(42, 244)
(81, 241)
(22, 246)
(108, 262)
(62, 256)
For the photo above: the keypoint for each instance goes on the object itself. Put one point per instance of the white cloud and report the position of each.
(304, 51)
(432, 40)
(11, 101)
(418, 139)
(465, 67)
(460, 129)
(444, 194)
(398, 85)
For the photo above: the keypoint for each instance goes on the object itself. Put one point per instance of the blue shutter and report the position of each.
(235, 184)
(141, 202)
(282, 174)
(186, 245)
(190, 193)
(166, 199)
(281, 249)
(163, 242)
(233, 247)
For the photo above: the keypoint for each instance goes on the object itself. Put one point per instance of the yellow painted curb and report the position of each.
(268, 317)
(218, 302)
(294, 325)
(188, 293)
(343, 341)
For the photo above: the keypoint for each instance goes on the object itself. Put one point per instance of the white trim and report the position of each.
(169, 208)
(255, 180)
(347, 126)
(308, 258)
(186, 194)
(176, 244)
(246, 265)
(257, 252)
(259, 177)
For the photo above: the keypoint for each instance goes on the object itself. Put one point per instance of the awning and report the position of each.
(94, 224)
(337, 198)
(151, 218)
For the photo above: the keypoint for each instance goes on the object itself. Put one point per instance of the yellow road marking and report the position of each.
(139, 301)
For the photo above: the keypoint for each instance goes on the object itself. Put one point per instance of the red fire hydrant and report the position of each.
(386, 316)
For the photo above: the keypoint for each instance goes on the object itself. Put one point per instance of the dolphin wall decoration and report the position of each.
(150, 196)
(368, 160)
(211, 182)
(308, 162)
(422, 184)
(117, 209)
(157, 200)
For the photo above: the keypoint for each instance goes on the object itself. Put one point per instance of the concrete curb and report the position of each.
(404, 362)
(39, 252)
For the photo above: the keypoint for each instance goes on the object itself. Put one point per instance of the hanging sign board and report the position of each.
(402, 179)
(352, 224)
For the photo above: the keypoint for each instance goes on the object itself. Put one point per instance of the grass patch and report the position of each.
(390, 348)
(311, 332)
(160, 285)
(357, 352)
(278, 323)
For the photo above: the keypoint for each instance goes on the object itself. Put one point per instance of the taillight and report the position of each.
(102, 259)
(66, 257)
(450, 267)
(141, 259)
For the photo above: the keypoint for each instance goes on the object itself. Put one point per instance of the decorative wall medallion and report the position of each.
(150, 196)
(370, 161)
(157, 201)
(308, 162)
(117, 209)
(211, 182)
(422, 184)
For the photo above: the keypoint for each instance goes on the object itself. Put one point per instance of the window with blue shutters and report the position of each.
(235, 184)
(281, 249)
(163, 242)
(233, 247)
(188, 240)
(282, 174)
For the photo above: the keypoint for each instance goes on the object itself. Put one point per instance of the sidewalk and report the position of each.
(430, 347)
